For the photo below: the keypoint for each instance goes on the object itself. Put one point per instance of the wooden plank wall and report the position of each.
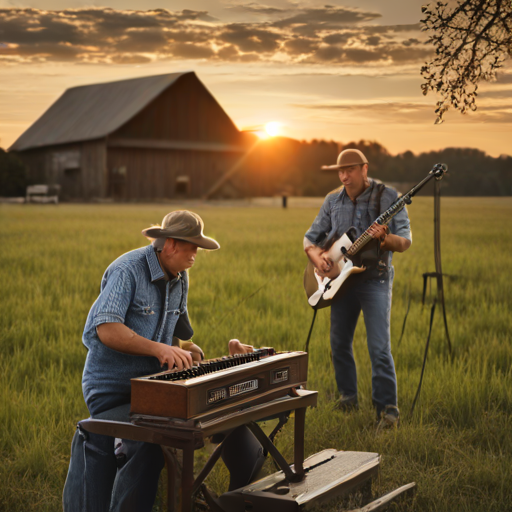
(94, 169)
(152, 173)
(47, 166)
(185, 111)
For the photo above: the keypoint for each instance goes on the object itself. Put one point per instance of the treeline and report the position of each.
(281, 165)
(471, 172)
(13, 175)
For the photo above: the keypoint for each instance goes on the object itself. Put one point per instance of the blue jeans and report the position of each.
(102, 479)
(373, 297)
(96, 484)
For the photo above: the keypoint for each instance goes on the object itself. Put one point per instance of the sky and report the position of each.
(345, 70)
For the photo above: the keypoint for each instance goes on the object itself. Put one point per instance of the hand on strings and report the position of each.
(332, 270)
(320, 260)
(379, 232)
(235, 347)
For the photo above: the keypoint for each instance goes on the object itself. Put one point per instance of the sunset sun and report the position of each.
(273, 128)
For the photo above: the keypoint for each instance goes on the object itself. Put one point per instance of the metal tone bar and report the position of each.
(298, 447)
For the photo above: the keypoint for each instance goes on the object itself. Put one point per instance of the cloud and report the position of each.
(329, 34)
(413, 113)
(328, 16)
(255, 8)
(191, 51)
(249, 38)
(504, 78)
(300, 46)
(128, 58)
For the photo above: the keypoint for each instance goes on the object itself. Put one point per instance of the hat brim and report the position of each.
(337, 167)
(201, 241)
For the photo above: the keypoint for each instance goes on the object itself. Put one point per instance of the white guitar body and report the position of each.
(327, 288)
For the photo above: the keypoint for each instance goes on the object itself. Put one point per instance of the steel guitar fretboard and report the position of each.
(219, 384)
(214, 365)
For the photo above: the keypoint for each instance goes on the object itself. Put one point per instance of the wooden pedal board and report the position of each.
(329, 474)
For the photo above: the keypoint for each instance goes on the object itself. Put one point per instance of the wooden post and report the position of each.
(298, 449)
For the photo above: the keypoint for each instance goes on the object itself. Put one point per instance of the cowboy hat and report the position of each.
(182, 225)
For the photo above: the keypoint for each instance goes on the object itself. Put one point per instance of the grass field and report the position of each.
(457, 446)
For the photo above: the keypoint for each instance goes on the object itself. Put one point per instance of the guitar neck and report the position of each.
(385, 218)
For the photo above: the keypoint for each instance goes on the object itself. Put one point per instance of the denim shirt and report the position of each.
(129, 296)
(338, 214)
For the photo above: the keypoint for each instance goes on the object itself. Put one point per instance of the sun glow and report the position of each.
(273, 128)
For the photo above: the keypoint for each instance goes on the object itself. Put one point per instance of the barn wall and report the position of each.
(94, 165)
(80, 169)
(185, 111)
(138, 174)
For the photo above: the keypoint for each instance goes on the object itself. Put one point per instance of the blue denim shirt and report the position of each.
(338, 214)
(128, 295)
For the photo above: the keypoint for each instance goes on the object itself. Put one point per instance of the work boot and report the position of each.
(389, 418)
(347, 404)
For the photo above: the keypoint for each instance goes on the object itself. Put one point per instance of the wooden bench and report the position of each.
(43, 194)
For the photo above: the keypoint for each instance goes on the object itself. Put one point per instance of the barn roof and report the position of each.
(93, 111)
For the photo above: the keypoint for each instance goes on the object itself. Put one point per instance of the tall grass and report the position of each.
(457, 445)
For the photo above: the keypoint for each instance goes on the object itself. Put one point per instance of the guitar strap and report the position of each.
(380, 190)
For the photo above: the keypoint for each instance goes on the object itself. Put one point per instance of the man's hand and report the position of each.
(196, 351)
(320, 260)
(174, 356)
(333, 272)
(235, 347)
(119, 337)
(378, 231)
(388, 242)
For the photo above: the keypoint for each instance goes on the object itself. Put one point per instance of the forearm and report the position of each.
(119, 337)
(395, 243)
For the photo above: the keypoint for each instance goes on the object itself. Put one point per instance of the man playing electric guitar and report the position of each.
(354, 207)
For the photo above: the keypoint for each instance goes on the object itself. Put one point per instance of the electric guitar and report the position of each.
(345, 252)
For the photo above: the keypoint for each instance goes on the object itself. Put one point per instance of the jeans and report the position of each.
(373, 297)
(103, 478)
(96, 484)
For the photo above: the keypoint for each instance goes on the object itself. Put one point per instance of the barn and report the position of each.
(157, 137)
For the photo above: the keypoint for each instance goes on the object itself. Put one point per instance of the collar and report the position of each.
(155, 269)
(154, 265)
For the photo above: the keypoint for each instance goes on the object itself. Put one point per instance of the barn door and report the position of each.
(67, 171)
(117, 182)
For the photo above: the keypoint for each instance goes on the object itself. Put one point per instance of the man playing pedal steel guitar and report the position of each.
(134, 329)
(357, 204)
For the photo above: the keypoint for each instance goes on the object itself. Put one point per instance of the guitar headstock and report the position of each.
(439, 170)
